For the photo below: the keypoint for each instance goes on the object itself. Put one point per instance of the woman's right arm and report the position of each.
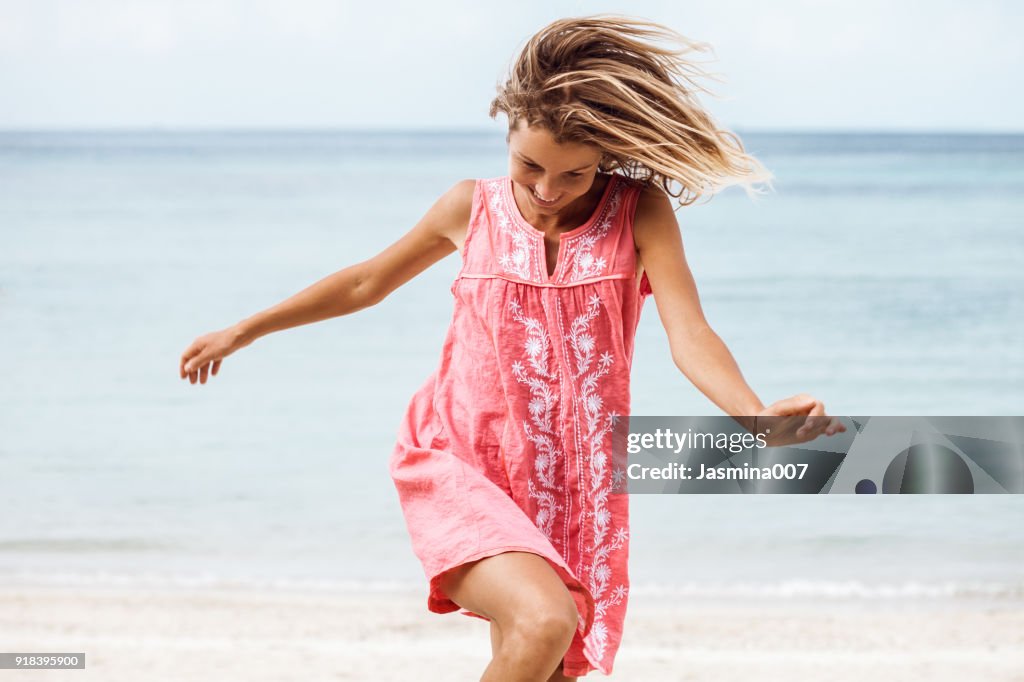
(358, 286)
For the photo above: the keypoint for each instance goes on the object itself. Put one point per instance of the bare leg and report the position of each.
(532, 613)
(556, 676)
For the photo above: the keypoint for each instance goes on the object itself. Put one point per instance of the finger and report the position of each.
(824, 425)
(815, 422)
(192, 367)
(195, 363)
(830, 426)
(191, 351)
(204, 372)
(836, 426)
(216, 366)
(819, 420)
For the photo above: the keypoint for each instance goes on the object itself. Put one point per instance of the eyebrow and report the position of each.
(529, 160)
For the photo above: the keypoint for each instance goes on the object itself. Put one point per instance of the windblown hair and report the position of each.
(595, 80)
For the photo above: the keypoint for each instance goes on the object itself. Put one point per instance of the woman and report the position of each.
(502, 462)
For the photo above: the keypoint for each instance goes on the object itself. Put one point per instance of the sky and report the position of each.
(782, 65)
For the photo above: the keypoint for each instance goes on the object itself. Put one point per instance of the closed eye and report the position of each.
(533, 166)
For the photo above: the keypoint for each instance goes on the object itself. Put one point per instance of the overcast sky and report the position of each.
(785, 64)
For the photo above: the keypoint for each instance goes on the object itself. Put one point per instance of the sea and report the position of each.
(882, 273)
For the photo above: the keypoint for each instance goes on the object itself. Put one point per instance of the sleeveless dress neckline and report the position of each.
(510, 200)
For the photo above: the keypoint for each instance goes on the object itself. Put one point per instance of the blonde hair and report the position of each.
(593, 80)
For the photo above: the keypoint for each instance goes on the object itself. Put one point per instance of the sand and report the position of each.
(202, 633)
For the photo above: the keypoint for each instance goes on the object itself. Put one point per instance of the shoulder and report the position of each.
(654, 218)
(464, 187)
(459, 196)
(451, 213)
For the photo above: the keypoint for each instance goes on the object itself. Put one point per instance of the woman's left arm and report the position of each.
(698, 352)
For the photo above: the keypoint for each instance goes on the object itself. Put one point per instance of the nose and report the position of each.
(547, 189)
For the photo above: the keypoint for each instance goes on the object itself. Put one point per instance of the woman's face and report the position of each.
(546, 170)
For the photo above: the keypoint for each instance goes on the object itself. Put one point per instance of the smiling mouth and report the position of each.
(542, 201)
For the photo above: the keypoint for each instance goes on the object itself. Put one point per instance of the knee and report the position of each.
(551, 626)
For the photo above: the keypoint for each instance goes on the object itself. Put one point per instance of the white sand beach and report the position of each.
(201, 633)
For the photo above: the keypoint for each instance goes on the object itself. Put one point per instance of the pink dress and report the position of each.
(506, 445)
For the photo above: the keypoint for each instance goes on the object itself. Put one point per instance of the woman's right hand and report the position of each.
(204, 355)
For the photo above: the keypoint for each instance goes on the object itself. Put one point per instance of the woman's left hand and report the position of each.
(797, 419)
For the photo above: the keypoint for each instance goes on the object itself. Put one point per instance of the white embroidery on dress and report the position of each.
(597, 426)
(520, 261)
(539, 370)
(579, 249)
(543, 406)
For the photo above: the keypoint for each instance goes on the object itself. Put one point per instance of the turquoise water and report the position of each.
(883, 276)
